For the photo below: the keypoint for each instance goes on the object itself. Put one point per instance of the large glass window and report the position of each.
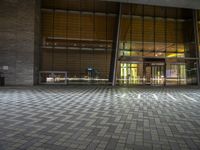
(191, 71)
(154, 33)
(77, 37)
(157, 33)
(199, 29)
(175, 73)
(148, 37)
(136, 35)
(160, 37)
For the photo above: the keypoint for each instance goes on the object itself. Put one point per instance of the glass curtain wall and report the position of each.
(199, 33)
(156, 46)
(77, 37)
(199, 25)
(151, 35)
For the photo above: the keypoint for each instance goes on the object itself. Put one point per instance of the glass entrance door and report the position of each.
(148, 71)
(157, 75)
(129, 73)
(154, 74)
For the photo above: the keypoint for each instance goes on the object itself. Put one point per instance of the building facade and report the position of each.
(105, 42)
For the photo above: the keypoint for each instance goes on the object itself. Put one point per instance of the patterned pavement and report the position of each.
(99, 117)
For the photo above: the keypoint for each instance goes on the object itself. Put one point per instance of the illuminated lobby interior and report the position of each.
(98, 42)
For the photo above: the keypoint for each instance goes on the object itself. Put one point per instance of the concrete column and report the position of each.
(19, 35)
(196, 34)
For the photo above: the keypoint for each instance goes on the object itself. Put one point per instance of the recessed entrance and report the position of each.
(148, 72)
(129, 73)
(154, 73)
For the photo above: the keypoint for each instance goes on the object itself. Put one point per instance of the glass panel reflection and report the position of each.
(81, 38)
(176, 74)
(53, 77)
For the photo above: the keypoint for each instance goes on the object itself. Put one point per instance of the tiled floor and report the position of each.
(81, 117)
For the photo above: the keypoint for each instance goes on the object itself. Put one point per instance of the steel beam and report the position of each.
(192, 4)
(196, 34)
(117, 47)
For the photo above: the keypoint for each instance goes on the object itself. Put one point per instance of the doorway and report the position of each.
(129, 73)
(154, 73)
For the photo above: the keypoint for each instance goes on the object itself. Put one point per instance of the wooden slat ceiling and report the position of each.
(189, 4)
(101, 27)
(76, 26)
(112, 7)
(83, 5)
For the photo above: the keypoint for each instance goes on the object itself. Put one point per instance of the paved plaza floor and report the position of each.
(99, 117)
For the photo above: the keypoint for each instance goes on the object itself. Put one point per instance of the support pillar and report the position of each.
(196, 34)
(116, 48)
